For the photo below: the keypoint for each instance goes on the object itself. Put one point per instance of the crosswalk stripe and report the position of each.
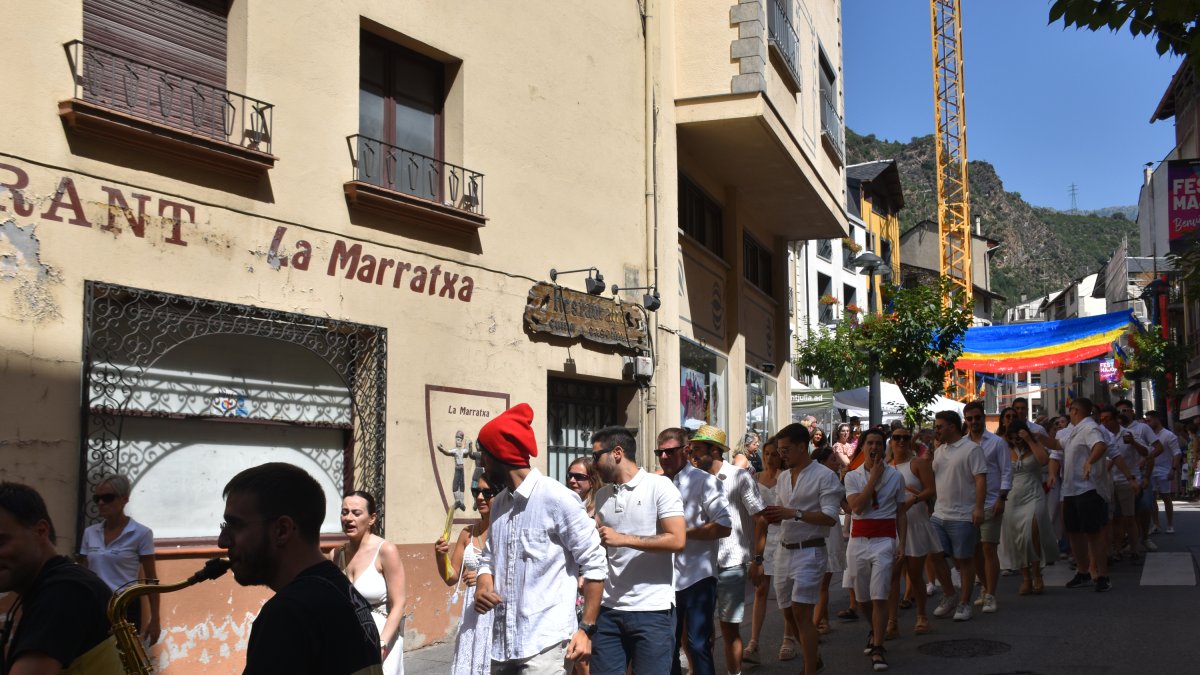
(1168, 569)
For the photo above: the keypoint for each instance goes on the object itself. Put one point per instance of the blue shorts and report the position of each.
(958, 537)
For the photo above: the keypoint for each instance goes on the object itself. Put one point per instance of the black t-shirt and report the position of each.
(314, 625)
(63, 615)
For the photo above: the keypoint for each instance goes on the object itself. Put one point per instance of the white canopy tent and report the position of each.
(856, 402)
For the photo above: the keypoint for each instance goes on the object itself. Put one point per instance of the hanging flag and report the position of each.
(1070, 396)
(1036, 346)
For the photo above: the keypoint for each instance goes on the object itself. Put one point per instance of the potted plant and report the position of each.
(853, 308)
(827, 300)
(849, 243)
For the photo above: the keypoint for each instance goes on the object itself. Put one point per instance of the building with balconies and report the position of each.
(343, 234)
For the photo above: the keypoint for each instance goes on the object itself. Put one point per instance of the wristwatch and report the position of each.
(799, 516)
(588, 629)
(758, 559)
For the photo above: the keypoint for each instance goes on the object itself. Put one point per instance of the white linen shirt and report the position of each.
(817, 489)
(999, 467)
(703, 503)
(540, 540)
(117, 563)
(1166, 459)
(1077, 449)
(745, 502)
(638, 581)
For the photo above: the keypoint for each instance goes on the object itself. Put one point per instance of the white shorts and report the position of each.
(806, 567)
(871, 560)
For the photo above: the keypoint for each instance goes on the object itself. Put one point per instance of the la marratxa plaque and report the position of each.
(571, 314)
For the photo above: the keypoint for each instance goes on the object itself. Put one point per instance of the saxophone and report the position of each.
(129, 644)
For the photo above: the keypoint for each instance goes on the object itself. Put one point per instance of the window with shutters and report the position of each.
(398, 154)
(152, 73)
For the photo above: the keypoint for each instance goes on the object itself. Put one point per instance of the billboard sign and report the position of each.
(1183, 205)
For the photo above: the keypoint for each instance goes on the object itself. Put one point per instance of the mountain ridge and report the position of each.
(1041, 249)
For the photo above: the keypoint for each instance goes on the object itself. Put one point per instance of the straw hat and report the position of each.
(710, 434)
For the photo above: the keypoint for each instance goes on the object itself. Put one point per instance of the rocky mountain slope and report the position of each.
(1041, 249)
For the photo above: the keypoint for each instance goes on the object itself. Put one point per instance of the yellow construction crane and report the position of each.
(953, 193)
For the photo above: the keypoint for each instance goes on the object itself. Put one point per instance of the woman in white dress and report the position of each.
(920, 540)
(374, 567)
(473, 646)
(767, 479)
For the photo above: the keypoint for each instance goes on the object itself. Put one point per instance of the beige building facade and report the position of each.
(234, 232)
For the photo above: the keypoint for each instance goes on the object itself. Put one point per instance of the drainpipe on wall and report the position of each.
(650, 393)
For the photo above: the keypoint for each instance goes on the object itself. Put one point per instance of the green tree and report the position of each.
(1172, 23)
(1155, 358)
(914, 342)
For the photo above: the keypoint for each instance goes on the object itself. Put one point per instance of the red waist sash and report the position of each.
(873, 527)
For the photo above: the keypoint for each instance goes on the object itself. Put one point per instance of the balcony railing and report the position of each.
(394, 168)
(831, 124)
(168, 99)
(782, 36)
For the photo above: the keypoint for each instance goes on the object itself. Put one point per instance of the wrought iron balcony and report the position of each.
(831, 125)
(782, 38)
(451, 194)
(118, 91)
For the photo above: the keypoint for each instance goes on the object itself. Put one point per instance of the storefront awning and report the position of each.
(812, 398)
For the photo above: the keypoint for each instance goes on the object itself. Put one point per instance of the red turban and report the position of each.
(509, 438)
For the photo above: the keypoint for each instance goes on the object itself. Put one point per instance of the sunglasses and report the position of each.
(106, 498)
(973, 418)
(577, 477)
(487, 493)
(669, 451)
(901, 437)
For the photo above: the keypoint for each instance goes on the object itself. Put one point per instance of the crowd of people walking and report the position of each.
(635, 569)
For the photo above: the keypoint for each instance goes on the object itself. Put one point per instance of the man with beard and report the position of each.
(540, 537)
(641, 524)
(316, 622)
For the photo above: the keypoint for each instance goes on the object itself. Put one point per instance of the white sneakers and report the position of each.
(1149, 545)
(945, 607)
(963, 613)
(989, 603)
(1170, 529)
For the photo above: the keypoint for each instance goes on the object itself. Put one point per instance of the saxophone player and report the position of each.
(58, 622)
(316, 623)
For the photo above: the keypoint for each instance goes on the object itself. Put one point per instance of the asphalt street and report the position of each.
(1147, 623)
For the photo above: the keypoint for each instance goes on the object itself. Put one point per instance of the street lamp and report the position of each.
(872, 265)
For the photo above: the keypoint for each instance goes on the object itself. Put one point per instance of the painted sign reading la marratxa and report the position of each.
(1183, 207)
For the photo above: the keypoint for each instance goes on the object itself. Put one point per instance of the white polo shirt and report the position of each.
(638, 581)
(955, 466)
(117, 563)
(703, 503)
(889, 493)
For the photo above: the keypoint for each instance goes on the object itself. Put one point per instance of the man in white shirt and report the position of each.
(1145, 441)
(641, 525)
(999, 481)
(706, 515)
(1126, 484)
(733, 558)
(1166, 467)
(960, 476)
(811, 497)
(1085, 513)
(875, 493)
(540, 541)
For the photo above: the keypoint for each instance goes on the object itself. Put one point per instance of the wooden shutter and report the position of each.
(185, 37)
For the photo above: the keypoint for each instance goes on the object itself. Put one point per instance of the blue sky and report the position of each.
(1047, 107)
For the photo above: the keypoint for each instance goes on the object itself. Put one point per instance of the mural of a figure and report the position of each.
(460, 453)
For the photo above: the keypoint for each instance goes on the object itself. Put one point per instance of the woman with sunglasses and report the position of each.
(374, 568)
(1026, 532)
(117, 546)
(920, 540)
(584, 480)
(473, 646)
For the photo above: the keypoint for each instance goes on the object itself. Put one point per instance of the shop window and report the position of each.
(756, 264)
(575, 409)
(702, 385)
(700, 216)
(760, 403)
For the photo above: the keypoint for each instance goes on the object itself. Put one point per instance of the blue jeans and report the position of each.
(696, 605)
(637, 638)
